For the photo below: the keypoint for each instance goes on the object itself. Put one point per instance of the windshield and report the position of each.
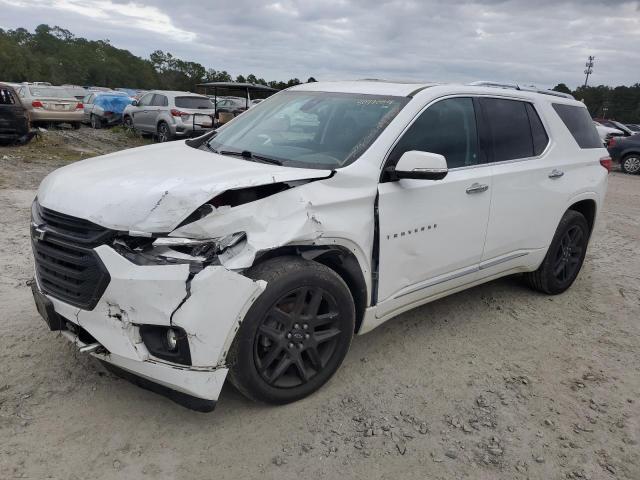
(194, 102)
(50, 92)
(309, 129)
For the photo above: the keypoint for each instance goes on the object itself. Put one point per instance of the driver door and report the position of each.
(432, 232)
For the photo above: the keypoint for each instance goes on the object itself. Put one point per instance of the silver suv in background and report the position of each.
(169, 115)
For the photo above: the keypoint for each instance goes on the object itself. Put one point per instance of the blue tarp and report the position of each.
(113, 103)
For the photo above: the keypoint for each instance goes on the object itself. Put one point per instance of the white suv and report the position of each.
(258, 250)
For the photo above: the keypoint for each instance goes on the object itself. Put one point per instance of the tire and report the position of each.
(283, 352)
(127, 121)
(95, 122)
(164, 133)
(565, 256)
(631, 163)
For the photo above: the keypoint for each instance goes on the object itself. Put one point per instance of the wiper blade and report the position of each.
(250, 156)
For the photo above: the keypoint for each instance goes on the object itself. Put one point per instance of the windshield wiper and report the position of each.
(250, 156)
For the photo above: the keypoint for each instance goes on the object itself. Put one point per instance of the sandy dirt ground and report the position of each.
(497, 382)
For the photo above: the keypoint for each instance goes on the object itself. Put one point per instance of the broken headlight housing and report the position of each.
(173, 250)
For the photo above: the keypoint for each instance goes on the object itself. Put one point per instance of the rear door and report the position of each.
(159, 105)
(12, 114)
(141, 113)
(529, 190)
(87, 104)
(432, 233)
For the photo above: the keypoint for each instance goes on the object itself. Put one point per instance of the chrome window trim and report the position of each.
(550, 141)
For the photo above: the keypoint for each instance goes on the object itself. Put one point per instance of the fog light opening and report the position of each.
(172, 340)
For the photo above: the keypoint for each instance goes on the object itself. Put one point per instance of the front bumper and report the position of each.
(209, 306)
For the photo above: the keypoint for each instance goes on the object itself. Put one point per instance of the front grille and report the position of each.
(67, 267)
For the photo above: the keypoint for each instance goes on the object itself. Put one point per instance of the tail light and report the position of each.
(178, 113)
(108, 113)
(79, 106)
(612, 142)
(37, 104)
(606, 163)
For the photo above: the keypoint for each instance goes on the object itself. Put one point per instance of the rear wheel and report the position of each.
(127, 122)
(295, 335)
(565, 256)
(164, 133)
(631, 163)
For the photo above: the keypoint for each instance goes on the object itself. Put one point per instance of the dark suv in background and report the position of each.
(626, 151)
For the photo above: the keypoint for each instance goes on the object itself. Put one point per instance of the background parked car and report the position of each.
(14, 120)
(76, 90)
(134, 93)
(613, 124)
(51, 105)
(626, 151)
(633, 127)
(234, 105)
(168, 115)
(103, 109)
(606, 133)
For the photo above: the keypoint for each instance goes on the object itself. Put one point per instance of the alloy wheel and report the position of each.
(568, 254)
(297, 337)
(631, 164)
(163, 133)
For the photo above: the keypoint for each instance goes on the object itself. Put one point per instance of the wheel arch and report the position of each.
(588, 208)
(339, 259)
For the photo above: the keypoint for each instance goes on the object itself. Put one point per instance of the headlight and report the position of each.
(167, 250)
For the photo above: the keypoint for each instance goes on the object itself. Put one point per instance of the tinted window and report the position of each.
(194, 102)
(447, 128)
(579, 123)
(540, 137)
(160, 101)
(509, 128)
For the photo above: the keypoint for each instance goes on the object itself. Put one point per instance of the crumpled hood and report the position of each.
(152, 189)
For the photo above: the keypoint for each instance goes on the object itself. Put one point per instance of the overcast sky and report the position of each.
(530, 41)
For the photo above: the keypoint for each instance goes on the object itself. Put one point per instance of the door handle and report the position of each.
(555, 173)
(477, 188)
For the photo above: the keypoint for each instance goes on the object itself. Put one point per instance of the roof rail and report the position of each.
(524, 88)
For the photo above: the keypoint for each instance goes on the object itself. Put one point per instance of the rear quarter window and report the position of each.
(194, 102)
(580, 125)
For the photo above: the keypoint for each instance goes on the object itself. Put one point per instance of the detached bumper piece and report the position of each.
(184, 399)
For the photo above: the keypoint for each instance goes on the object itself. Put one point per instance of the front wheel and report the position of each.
(128, 122)
(295, 335)
(565, 256)
(631, 164)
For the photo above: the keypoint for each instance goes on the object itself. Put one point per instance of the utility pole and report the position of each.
(589, 70)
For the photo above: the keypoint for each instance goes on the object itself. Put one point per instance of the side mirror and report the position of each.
(419, 166)
(134, 103)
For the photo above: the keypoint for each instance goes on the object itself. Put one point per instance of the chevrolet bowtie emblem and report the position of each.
(38, 231)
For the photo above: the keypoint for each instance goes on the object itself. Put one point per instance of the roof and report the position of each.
(409, 89)
(175, 93)
(243, 86)
(371, 87)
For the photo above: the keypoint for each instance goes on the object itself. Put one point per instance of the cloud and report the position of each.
(543, 42)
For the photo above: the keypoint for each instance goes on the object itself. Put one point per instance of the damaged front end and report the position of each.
(162, 309)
